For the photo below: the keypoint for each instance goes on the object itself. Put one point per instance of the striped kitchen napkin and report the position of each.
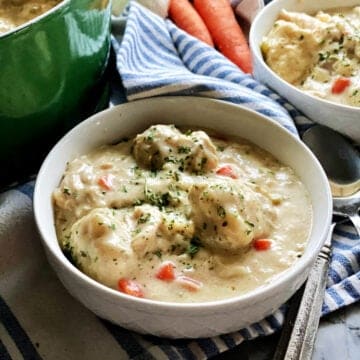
(39, 319)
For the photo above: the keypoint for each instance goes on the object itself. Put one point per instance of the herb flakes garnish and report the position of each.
(184, 150)
(144, 218)
(194, 246)
(158, 253)
(249, 223)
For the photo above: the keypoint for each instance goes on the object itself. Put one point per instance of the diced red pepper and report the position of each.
(106, 181)
(262, 244)
(166, 271)
(130, 287)
(340, 84)
(189, 283)
(227, 170)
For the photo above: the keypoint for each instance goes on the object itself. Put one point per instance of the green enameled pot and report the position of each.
(51, 77)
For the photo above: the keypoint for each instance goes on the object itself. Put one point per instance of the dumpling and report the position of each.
(109, 244)
(100, 245)
(228, 215)
(163, 145)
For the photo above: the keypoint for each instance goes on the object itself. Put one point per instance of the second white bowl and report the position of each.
(345, 119)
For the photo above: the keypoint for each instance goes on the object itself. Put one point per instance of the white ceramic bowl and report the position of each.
(345, 119)
(173, 319)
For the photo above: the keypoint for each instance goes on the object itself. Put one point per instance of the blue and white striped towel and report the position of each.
(39, 319)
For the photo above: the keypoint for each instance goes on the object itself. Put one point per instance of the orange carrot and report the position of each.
(227, 34)
(262, 244)
(130, 287)
(166, 271)
(227, 170)
(186, 18)
(340, 85)
(106, 181)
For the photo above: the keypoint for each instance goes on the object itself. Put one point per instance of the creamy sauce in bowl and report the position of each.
(181, 216)
(14, 13)
(319, 54)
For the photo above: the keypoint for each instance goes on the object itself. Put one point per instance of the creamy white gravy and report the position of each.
(184, 205)
(319, 54)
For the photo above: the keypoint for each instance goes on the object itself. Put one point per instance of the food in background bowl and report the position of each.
(174, 319)
(322, 52)
(181, 216)
(340, 117)
(16, 12)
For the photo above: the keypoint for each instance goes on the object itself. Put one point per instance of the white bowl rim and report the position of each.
(289, 273)
(257, 53)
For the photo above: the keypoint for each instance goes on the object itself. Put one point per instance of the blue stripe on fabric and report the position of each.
(27, 189)
(228, 340)
(272, 320)
(171, 60)
(210, 69)
(184, 45)
(244, 98)
(335, 277)
(266, 92)
(189, 56)
(347, 234)
(325, 309)
(239, 79)
(252, 85)
(127, 341)
(344, 262)
(169, 351)
(17, 333)
(259, 329)
(293, 112)
(164, 345)
(204, 60)
(245, 333)
(336, 297)
(224, 73)
(140, 58)
(155, 27)
(4, 355)
(182, 347)
(194, 89)
(149, 45)
(339, 245)
(168, 56)
(177, 36)
(276, 98)
(127, 54)
(208, 346)
(247, 96)
(160, 40)
(354, 255)
(350, 289)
